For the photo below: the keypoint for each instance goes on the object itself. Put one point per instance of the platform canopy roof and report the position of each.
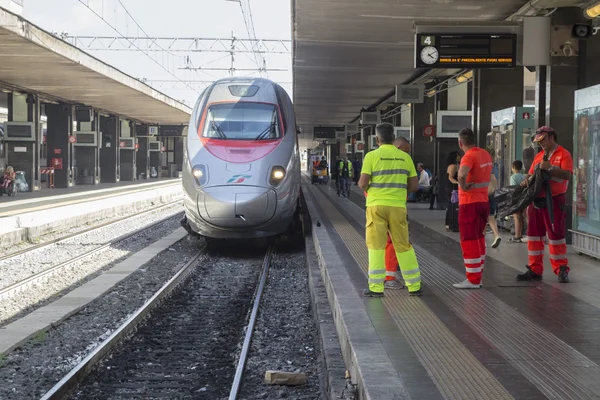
(33, 60)
(349, 53)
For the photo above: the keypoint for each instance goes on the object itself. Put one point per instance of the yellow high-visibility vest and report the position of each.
(389, 169)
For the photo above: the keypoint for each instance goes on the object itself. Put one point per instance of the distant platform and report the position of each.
(46, 198)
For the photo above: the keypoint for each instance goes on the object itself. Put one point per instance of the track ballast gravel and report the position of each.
(285, 337)
(28, 372)
(186, 348)
(15, 269)
(86, 269)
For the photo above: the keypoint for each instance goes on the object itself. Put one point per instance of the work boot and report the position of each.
(466, 284)
(563, 275)
(529, 275)
(368, 293)
(416, 292)
(393, 285)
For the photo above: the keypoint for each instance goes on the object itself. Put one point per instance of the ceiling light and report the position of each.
(431, 93)
(593, 11)
(464, 77)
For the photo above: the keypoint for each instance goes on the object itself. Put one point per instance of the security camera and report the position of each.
(582, 31)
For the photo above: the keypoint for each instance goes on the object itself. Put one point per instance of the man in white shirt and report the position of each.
(423, 177)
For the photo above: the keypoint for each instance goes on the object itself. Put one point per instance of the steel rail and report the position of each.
(17, 287)
(237, 381)
(75, 234)
(76, 375)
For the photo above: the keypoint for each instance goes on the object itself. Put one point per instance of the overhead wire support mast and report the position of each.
(180, 44)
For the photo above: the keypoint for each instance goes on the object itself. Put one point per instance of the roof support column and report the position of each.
(143, 152)
(555, 99)
(85, 154)
(57, 139)
(494, 89)
(423, 149)
(127, 152)
(109, 152)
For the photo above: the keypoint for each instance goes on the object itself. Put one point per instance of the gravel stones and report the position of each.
(28, 372)
(186, 347)
(83, 270)
(285, 337)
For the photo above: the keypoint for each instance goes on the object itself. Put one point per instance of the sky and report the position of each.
(172, 18)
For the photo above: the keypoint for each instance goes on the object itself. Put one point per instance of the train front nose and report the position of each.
(237, 207)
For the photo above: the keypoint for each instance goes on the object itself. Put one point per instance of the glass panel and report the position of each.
(587, 171)
(242, 121)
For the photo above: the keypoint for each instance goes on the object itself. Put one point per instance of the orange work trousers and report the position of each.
(391, 261)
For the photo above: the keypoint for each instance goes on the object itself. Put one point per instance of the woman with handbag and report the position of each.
(453, 161)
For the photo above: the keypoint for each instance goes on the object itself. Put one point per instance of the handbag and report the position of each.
(454, 197)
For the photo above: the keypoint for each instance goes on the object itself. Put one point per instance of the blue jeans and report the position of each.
(345, 186)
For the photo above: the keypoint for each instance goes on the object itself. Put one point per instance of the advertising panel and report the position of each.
(586, 213)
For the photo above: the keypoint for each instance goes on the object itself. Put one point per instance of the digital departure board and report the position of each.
(326, 132)
(465, 50)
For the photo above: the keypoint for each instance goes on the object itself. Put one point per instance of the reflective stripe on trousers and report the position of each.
(380, 221)
(539, 224)
(472, 219)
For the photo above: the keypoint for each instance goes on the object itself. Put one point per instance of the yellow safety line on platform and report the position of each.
(67, 203)
(455, 371)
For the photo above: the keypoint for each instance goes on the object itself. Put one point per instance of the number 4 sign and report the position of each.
(427, 40)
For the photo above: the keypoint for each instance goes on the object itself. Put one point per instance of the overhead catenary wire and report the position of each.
(133, 44)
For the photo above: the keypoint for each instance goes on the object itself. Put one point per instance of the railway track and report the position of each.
(83, 232)
(37, 278)
(193, 345)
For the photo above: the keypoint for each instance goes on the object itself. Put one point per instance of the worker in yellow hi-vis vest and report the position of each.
(387, 175)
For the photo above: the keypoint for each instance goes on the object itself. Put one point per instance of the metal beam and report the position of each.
(180, 44)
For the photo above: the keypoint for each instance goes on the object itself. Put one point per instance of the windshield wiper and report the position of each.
(218, 129)
(264, 133)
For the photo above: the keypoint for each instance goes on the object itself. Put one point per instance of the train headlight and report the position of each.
(199, 173)
(277, 175)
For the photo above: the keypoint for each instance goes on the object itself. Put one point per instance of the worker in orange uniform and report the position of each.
(391, 261)
(473, 180)
(559, 162)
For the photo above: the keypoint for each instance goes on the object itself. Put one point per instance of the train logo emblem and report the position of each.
(239, 178)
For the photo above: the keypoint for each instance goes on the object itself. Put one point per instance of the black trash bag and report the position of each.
(515, 199)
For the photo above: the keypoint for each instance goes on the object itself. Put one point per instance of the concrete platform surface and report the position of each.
(509, 340)
(36, 222)
(50, 198)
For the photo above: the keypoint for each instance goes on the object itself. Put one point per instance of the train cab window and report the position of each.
(242, 121)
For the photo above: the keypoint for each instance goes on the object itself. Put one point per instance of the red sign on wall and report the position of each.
(57, 163)
(57, 151)
(72, 139)
(163, 149)
(429, 130)
(121, 144)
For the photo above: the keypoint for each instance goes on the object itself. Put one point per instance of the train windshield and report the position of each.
(242, 121)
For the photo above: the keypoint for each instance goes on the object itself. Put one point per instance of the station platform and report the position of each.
(508, 340)
(47, 198)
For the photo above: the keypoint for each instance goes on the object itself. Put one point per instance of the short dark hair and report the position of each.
(385, 133)
(467, 136)
(518, 165)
